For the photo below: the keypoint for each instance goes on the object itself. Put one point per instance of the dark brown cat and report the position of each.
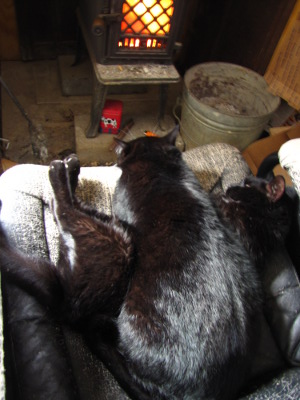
(162, 290)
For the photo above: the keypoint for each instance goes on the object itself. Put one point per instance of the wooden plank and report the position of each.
(283, 73)
(9, 42)
(239, 32)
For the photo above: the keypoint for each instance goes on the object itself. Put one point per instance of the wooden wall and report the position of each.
(243, 32)
(9, 43)
(47, 28)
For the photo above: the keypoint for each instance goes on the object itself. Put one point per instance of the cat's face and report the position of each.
(259, 210)
(255, 199)
(257, 191)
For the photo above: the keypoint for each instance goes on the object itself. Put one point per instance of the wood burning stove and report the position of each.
(122, 31)
(130, 42)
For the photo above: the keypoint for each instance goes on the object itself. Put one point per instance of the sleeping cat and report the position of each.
(164, 292)
(260, 212)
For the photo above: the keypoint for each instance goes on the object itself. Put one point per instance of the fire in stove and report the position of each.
(134, 31)
(145, 19)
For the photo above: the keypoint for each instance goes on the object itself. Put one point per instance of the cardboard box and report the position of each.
(256, 152)
(111, 117)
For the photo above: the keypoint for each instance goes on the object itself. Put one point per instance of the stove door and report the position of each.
(145, 31)
(132, 31)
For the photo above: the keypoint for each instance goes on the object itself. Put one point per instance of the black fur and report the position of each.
(162, 290)
(260, 212)
(265, 171)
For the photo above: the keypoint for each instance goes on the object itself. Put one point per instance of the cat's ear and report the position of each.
(172, 136)
(275, 188)
(120, 146)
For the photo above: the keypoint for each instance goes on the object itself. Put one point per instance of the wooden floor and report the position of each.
(61, 120)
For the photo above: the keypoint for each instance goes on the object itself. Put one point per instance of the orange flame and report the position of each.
(147, 17)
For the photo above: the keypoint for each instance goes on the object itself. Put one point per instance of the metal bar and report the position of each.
(98, 101)
(37, 143)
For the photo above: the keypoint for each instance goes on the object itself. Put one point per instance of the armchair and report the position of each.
(46, 360)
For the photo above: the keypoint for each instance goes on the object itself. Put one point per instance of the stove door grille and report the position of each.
(133, 31)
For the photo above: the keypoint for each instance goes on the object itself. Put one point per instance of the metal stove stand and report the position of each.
(123, 74)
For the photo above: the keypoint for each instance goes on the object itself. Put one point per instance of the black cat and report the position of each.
(260, 211)
(163, 291)
(293, 239)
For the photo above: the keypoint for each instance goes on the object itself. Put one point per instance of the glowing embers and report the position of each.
(147, 17)
(143, 43)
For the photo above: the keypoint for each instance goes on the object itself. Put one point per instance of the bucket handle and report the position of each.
(177, 106)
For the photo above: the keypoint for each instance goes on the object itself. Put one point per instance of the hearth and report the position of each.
(139, 31)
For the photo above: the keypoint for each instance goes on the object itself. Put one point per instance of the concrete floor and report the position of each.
(61, 120)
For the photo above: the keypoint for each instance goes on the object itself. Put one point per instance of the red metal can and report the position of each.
(111, 117)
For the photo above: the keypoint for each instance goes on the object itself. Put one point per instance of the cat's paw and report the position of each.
(56, 166)
(72, 163)
(57, 172)
(59, 180)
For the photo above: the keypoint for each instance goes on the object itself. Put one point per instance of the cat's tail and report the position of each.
(36, 276)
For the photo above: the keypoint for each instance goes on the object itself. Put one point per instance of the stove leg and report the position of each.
(163, 98)
(98, 101)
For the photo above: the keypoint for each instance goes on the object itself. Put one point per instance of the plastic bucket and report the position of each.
(226, 103)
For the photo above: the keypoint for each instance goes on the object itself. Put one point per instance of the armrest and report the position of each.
(282, 304)
(289, 156)
(26, 194)
(282, 385)
(217, 165)
(43, 359)
(36, 361)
